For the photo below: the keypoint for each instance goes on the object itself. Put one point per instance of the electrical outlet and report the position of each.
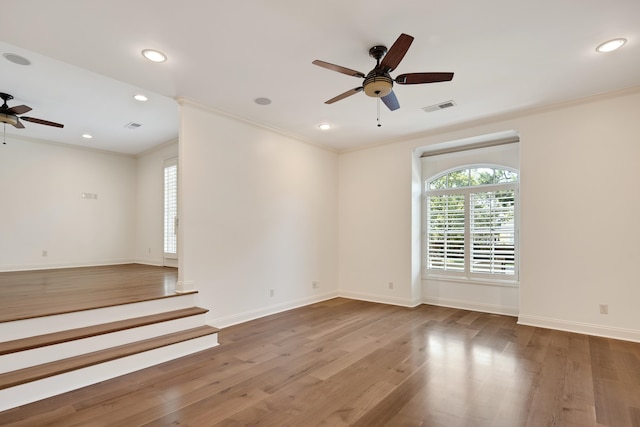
(272, 292)
(390, 285)
(604, 308)
(315, 284)
(44, 253)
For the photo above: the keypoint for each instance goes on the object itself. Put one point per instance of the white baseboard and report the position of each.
(473, 306)
(226, 321)
(581, 328)
(52, 266)
(148, 261)
(382, 299)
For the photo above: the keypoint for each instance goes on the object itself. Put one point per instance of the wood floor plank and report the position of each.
(29, 294)
(344, 362)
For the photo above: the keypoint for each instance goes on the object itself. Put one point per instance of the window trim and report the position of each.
(467, 276)
(172, 162)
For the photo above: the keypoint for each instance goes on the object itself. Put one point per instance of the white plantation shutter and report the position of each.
(446, 232)
(471, 223)
(492, 232)
(170, 207)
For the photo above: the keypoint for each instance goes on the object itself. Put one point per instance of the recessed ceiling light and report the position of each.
(140, 97)
(262, 101)
(325, 126)
(16, 59)
(87, 136)
(154, 55)
(611, 45)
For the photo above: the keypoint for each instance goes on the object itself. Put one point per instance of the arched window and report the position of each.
(471, 223)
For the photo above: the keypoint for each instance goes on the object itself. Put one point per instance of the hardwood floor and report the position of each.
(27, 294)
(345, 362)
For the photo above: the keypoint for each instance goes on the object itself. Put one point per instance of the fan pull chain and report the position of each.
(4, 134)
(379, 124)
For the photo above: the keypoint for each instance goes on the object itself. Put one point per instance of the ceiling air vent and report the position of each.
(438, 107)
(132, 125)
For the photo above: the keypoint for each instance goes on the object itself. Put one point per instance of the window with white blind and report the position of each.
(471, 223)
(171, 207)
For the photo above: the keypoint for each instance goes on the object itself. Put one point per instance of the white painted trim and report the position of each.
(581, 328)
(472, 305)
(181, 100)
(490, 120)
(51, 386)
(382, 299)
(226, 321)
(94, 263)
(170, 262)
(157, 148)
(148, 261)
(184, 286)
(70, 146)
(78, 319)
(50, 353)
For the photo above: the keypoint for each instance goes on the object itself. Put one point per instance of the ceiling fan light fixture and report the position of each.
(9, 119)
(154, 55)
(611, 45)
(378, 86)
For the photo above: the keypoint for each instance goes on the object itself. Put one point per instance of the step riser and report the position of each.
(19, 329)
(41, 355)
(41, 389)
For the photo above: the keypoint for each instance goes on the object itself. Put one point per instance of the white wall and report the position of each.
(258, 212)
(581, 158)
(41, 210)
(375, 200)
(583, 161)
(149, 246)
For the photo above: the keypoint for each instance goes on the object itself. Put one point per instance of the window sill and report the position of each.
(473, 281)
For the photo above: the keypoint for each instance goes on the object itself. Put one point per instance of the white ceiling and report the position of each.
(507, 56)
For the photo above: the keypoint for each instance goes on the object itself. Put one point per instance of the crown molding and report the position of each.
(182, 101)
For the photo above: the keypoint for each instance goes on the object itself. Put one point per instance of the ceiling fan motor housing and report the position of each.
(378, 84)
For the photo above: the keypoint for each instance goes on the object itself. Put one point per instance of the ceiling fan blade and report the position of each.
(417, 78)
(19, 109)
(396, 52)
(42, 122)
(391, 101)
(338, 68)
(345, 95)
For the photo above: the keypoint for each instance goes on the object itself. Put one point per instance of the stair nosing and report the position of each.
(58, 313)
(58, 367)
(30, 343)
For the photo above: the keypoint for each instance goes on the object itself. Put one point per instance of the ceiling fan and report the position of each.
(10, 115)
(378, 83)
